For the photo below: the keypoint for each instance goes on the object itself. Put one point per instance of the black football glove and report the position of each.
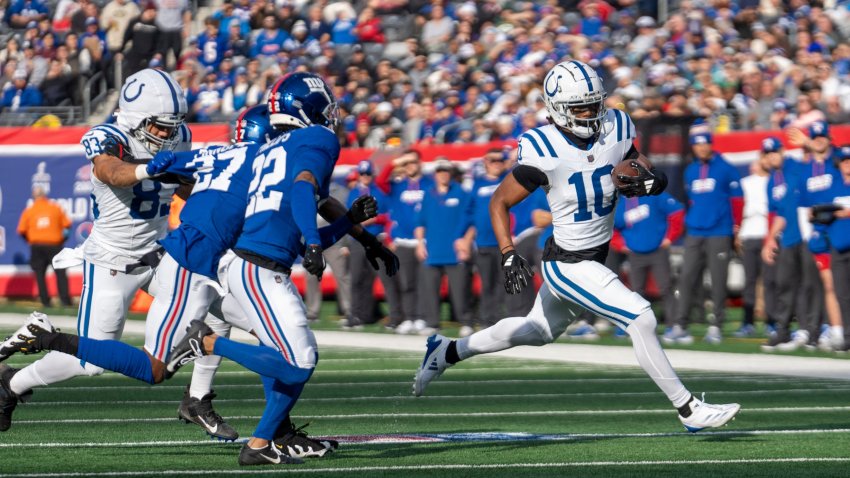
(375, 251)
(114, 147)
(314, 261)
(647, 182)
(518, 273)
(824, 213)
(362, 209)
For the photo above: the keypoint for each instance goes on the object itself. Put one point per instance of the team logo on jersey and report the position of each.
(487, 190)
(412, 196)
(636, 214)
(452, 202)
(779, 192)
(703, 185)
(129, 98)
(819, 183)
(843, 201)
(590, 158)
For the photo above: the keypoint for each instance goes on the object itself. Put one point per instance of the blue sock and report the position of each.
(280, 398)
(263, 360)
(116, 356)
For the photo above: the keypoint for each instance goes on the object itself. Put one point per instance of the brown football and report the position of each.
(625, 168)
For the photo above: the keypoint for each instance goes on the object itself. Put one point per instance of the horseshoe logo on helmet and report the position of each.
(555, 89)
(133, 98)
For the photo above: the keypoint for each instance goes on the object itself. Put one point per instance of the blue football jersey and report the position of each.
(212, 218)
(270, 229)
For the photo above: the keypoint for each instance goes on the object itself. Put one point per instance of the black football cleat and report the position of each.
(200, 412)
(271, 454)
(189, 349)
(8, 399)
(295, 442)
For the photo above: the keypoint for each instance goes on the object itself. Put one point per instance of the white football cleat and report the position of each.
(705, 415)
(433, 365)
(9, 346)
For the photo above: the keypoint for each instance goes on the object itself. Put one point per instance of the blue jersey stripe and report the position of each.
(245, 265)
(83, 328)
(273, 317)
(167, 313)
(584, 72)
(619, 122)
(167, 80)
(546, 142)
(547, 266)
(177, 325)
(114, 130)
(533, 143)
(592, 298)
(628, 125)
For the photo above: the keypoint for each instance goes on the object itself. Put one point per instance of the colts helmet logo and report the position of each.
(555, 89)
(129, 98)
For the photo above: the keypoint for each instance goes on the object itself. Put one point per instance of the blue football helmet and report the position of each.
(253, 126)
(302, 99)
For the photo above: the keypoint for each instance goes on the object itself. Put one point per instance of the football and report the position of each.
(626, 168)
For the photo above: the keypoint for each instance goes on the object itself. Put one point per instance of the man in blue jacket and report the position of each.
(715, 207)
(438, 222)
(476, 228)
(649, 225)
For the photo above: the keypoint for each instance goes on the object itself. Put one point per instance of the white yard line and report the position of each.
(655, 411)
(809, 367)
(294, 469)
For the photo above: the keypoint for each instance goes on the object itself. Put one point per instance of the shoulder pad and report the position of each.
(93, 140)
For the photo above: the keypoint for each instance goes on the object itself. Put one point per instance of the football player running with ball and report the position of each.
(572, 159)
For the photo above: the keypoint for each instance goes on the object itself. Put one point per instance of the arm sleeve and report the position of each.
(530, 177)
(736, 196)
(335, 231)
(304, 211)
(675, 225)
(382, 182)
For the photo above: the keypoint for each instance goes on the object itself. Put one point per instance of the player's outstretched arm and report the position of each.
(331, 209)
(517, 272)
(304, 210)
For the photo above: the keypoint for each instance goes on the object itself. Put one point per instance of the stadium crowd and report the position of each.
(447, 71)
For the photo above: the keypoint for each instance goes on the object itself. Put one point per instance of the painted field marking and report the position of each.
(295, 469)
(544, 413)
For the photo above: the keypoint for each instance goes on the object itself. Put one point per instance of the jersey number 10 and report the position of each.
(577, 180)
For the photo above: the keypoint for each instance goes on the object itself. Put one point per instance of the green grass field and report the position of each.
(572, 420)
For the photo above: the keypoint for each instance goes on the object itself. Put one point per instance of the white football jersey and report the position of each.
(127, 221)
(581, 193)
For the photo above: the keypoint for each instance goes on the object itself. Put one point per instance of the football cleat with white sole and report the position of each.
(200, 412)
(295, 442)
(434, 363)
(270, 454)
(8, 399)
(706, 415)
(36, 322)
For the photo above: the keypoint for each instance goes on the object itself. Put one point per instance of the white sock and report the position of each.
(836, 331)
(53, 368)
(654, 361)
(203, 375)
(504, 334)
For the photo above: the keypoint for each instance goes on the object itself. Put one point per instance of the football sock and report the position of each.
(502, 335)
(116, 356)
(58, 341)
(203, 375)
(280, 398)
(262, 360)
(54, 367)
(451, 353)
(685, 410)
(653, 361)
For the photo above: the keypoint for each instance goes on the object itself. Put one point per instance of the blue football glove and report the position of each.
(160, 163)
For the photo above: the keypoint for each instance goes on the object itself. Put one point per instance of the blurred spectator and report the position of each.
(22, 12)
(142, 36)
(45, 226)
(173, 19)
(88, 9)
(477, 229)
(362, 274)
(241, 94)
(368, 28)
(437, 223)
(750, 238)
(715, 205)
(649, 226)
(807, 113)
(206, 100)
(343, 29)
(65, 9)
(268, 42)
(316, 25)
(114, 20)
(211, 43)
(20, 94)
(437, 31)
(228, 18)
(12, 52)
(57, 87)
(405, 186)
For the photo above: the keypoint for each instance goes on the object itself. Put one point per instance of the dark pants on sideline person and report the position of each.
(41, 257)
(841, 278)
(170, 41)
(799, 290)
(754, 268)
(429, 293)
(488, 261)
(519, 305)
(362, 281)
(701, 252)
(407, 280)
(339, 266)
(658, 263)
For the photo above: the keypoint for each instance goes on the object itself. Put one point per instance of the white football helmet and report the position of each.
(573, 85)
(152, 97)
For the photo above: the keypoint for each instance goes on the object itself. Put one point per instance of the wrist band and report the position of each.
(502, 250)
(142, 172)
